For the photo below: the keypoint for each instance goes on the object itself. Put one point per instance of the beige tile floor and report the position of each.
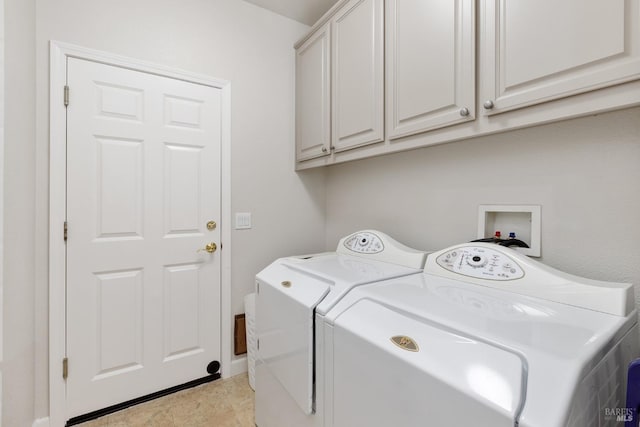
(221, 403)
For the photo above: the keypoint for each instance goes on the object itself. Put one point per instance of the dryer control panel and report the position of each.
(364, 242)
(375, 245)
(480, 262)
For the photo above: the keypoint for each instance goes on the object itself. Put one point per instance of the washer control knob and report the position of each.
(477, 261)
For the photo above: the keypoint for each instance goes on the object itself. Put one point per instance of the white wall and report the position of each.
(584, 172)
(19, 236)
(227, 39)
(1, 179)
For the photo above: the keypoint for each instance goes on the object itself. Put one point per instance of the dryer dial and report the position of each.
(364, 243)
(480, 262)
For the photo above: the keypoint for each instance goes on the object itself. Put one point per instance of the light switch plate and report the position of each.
(243, 220)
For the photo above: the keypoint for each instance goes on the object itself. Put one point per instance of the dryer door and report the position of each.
(285, 304)
(390, 369)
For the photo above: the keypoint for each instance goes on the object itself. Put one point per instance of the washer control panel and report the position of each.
(364, 243)
(480, 262)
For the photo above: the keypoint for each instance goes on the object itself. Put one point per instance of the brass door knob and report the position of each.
(211, 248)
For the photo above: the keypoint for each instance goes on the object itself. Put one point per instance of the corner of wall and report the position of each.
(18, 395)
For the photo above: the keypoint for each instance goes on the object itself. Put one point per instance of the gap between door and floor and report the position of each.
(221, 403)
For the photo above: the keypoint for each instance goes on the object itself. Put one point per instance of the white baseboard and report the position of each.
(238, 366)
(41, 422)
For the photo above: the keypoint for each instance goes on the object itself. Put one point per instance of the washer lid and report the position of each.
(555, 340)
(419, 371)
(342, 272)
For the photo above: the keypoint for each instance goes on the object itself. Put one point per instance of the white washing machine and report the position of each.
(294, 294)
(485, 337)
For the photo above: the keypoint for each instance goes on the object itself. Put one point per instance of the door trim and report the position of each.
(59, 53)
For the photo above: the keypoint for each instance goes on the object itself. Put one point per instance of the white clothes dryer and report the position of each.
(485, 337)
(292, 296)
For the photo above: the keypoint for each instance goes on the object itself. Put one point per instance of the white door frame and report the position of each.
(59, 52)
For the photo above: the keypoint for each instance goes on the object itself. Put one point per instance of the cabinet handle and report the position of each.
(464, 111)
(488, 105)
(324, 149)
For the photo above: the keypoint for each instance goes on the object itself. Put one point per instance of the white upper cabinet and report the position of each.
(380, 76)
(357, 74)
(533, 51)
(430, 64)
(313, 96)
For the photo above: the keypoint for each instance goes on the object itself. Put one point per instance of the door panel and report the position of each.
(313, 96)
(430, 64)
(182, 286)
(143, 179)
(119, 333)
(119, 187)
(182, 181)
(358, 74)
(527, 52)
(530, 56)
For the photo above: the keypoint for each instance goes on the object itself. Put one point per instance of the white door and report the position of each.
(357, 84)
(313, 94)
(430, 64)
(533, 51)
(143, 181)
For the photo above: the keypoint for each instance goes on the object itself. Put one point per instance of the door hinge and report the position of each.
(65, 368)
(66, 231)
(66, 96)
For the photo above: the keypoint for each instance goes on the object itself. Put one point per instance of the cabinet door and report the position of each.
(534, 51)
(313, 62)
(430, 64)
(358, 74)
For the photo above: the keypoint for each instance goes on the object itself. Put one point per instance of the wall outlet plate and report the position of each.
(524, 220)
